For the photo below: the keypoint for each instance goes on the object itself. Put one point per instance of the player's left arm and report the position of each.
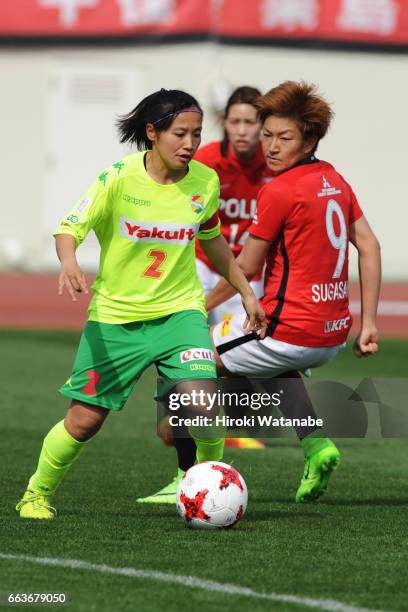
(369, 264)
(249, 261)
(235, 280)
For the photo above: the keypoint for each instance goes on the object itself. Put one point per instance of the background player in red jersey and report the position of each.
(240, 164)
(306, 218)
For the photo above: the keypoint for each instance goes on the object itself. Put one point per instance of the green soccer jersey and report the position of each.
(147, 234)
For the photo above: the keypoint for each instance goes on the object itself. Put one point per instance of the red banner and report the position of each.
(369, 21)
(358, 21)
(70, 18)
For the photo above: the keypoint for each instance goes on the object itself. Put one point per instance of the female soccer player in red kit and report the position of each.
(306, 218)
(240, 164)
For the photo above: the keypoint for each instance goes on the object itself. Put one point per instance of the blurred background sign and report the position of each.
(359, 21)
(104, 17)
(383, 22)
(70, 67)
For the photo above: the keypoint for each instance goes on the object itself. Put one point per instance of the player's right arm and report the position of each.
(369, 265)
(87, 214)
(71, 276)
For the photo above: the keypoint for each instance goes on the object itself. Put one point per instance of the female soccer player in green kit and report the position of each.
(148, 304)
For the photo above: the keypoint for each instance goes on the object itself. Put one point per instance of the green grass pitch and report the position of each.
(351, 546)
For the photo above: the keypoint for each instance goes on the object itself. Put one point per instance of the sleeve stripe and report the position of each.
(210, 233)
(211, 223)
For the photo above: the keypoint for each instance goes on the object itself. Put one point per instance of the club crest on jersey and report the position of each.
(327, 189)
(197, 355)
(147, 231)
(197, 203)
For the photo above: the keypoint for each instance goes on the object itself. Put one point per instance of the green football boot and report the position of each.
(321, 459)
(167, 495)
(35, 505)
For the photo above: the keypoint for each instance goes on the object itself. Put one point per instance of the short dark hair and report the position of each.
(241, 95)
(300, 102)
(160, 109)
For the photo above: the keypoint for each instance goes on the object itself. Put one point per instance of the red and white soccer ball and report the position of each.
(212, 495)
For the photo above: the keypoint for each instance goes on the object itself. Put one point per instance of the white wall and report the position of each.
(367, 142)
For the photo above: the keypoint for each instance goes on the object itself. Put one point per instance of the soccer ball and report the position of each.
(212, 495)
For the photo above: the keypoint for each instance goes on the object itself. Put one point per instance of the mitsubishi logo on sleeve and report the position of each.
(326, 184)
(327, 189)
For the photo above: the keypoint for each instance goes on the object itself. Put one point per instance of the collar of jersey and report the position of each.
(182, 181)
(311, 159)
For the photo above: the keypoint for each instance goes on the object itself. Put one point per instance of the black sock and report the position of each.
(184, 444)
(186, 451)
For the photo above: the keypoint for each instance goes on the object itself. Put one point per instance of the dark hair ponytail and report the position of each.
(160, 109)
(241, 95)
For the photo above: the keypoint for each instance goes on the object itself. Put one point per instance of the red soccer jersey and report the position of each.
(306, 214)
(240, 182)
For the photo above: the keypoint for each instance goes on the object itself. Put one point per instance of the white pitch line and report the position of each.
(386, 308)
(191, 582)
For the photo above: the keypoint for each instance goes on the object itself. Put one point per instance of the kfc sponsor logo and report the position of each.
(238, 209)
(330, 292)
(336, 325)
(146, 231)
(197, 355)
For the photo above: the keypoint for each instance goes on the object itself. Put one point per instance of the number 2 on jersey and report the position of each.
(158, 258)
(338, 242)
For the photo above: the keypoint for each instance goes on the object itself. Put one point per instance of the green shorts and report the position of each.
(111, 358)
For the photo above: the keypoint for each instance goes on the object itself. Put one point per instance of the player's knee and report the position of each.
(83, 421)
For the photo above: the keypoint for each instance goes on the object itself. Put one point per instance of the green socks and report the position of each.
(209, 449)
(58, 452)
(315, 442)
(180, 474)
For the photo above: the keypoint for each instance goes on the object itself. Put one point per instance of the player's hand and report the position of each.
(72, 278)
(256, 318)
(366, 343)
